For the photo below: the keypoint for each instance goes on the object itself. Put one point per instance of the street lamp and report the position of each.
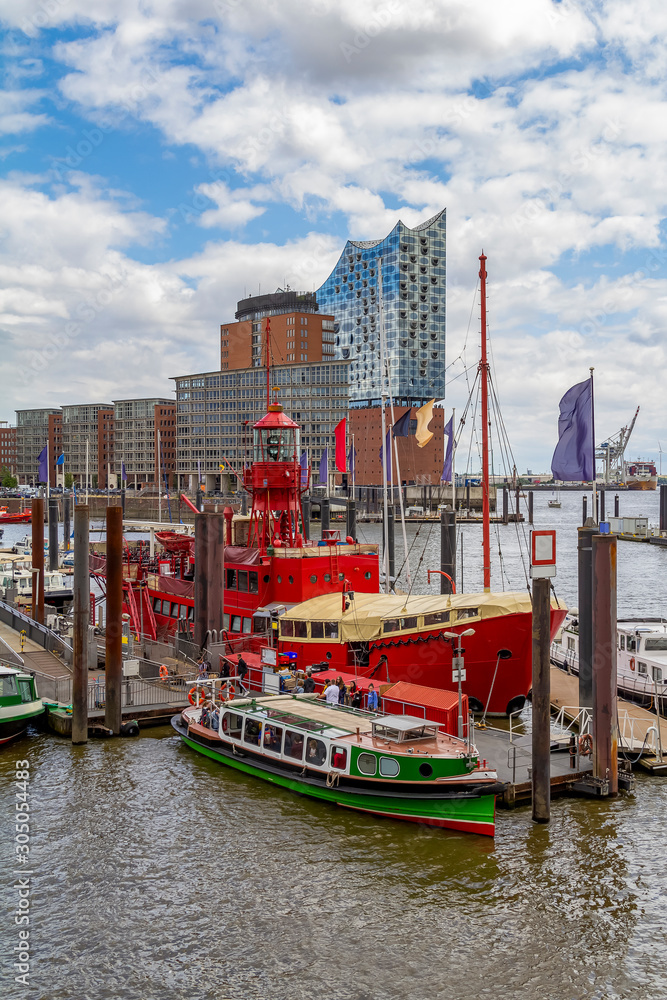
(457, 665)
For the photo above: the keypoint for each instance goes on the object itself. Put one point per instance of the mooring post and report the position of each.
(305, 510)
(53, 533)
(122, 498)
(66, 524)
(447, 549)
(38, 560)
(199, 500)
(584, 514)
(201, 578)
(663, 508)
(216, 562)
(530, 506)
(602, 505)
(351, 525)
(113, 669)
(81, 619)
(468, 496)
(517, 507)
(325, 515)
(616, 506)
(585, 601)
(391, 547)
(506, 512)
(244, 503)
(605, 721)
(541, 710)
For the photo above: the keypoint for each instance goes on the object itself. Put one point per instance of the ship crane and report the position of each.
(612, 453)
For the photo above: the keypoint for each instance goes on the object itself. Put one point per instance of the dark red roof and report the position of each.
(419, 694)
(276, 417)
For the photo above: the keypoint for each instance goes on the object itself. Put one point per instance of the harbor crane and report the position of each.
(612, 453)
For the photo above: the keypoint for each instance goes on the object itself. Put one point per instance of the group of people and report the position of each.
(210, 716)
(337, 692)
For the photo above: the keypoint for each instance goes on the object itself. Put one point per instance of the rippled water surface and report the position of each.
(161, 875)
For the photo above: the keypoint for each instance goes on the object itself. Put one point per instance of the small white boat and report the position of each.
(555, 499)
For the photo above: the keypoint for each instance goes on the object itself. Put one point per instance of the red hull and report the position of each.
(15, 518)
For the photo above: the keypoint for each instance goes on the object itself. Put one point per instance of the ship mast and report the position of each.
(484, 377)
(268, 363)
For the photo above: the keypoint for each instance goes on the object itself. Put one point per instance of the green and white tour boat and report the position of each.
(18, 703)
(397, 766)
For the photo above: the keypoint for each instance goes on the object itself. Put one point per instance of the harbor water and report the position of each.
(159, 874)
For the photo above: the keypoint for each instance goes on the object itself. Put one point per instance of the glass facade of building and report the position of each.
(413, 292)
(215, 412)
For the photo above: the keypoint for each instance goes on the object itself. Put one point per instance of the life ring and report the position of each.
(164, 673)
(585, 744)
(632, 663)
(192, 696)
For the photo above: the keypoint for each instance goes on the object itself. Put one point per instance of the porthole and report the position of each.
(313, 578)
(367, 574)
(328, 654)
(291, 579)
(425, 770)
(341, 576)
(266, 578)
(279, 579)
(367, 763)
(388, 767)
(327, 578)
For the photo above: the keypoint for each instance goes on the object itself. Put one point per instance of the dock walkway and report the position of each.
(34, 656)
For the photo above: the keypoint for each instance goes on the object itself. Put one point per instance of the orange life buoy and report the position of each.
(632, 663)
(192, 696)
(585, 744)
(164, 673)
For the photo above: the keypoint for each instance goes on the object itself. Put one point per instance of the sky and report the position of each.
(160, 160)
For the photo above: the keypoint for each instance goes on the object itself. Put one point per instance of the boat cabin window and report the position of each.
(367, 763)
(631, 644)
(388, 732)
(252, 732)
(287, 629)
(316, 752)
(656, 644)
(467, 613)
(436, 618)
(300, 630)
(641, 668)
(621, 641)
(570, 642)
(247, 625)
(260, 624)
(191, 614)
(24, 689)
(232, 725)
(174, 611)
(236, 623)
(339, 757)
(293, 744)
(391, 625)
(157, 605)
(657, 674)
(324, 630)
(231, 579)
(388, 767)
(8, 685)
(253, 582)
(276, 444)
(243, 581)
(273, 738)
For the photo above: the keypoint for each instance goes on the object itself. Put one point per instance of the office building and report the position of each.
(298, 332)
(8, 454)
(144, 440)
(80, 442)
(413, 293)
(33, 429)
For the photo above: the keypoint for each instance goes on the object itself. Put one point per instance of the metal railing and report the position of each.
(134, 691)
(43, 636)
(633, 733)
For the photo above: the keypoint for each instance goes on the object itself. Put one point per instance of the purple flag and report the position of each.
(304, 467)
(387, 458)
(573, 457)
(43, 470)
(351, 455)
(446, 476)
(324, 466)
(401, 428)
(123, 473)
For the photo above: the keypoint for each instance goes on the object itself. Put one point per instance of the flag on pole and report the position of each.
(339, 434)
(351, 455)
(401, 428)
(43, 467)
(61, 459)
(573, 457)
(446, 476)
(324, 466)
(123, 473)
(424, 417)
(386, 461)
(303, 461)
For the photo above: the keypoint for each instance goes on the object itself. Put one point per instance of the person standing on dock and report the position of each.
(332, 693)
(372, 703)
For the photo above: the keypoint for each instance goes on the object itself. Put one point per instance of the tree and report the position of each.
(7, 480)
(94, 480)
(69, 480)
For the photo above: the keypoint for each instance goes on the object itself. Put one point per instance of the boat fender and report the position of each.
(585, 744)
(349, 539)
(130, 728)
(632, 663)
(164, 673)
(192, 696)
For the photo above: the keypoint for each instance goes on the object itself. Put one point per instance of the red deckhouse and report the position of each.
(273, 480)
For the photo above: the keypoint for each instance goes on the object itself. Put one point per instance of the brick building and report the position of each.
(140, 426)
(8, 453)
(105, 445)
(298, 333)
(33, 429)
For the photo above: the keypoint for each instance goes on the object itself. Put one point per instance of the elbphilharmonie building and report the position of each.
(413, 290)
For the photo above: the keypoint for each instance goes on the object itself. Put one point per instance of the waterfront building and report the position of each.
(299, 333)
(141, 427)
(413, 293)
(105, 446)
(8, 454)
(79, 441)
(33, 429)
(216, 412)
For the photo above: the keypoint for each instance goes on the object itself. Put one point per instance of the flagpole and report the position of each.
(595, 485)
(454, 462)
(354, 464)
(87, 471)
(48, 470)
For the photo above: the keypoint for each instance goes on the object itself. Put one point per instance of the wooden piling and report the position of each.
(351, 525)
(305, 509)
(201, 578)
(605, 718)
(391, 524)
(541, 705)
(53, 533)
(447, 549)
(38, 560)
(66, 524)
(114, 628)
(81, 618)
(531, 496)
(585, 602)
(325, 515)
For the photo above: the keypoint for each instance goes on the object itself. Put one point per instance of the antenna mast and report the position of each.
(484, 377)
